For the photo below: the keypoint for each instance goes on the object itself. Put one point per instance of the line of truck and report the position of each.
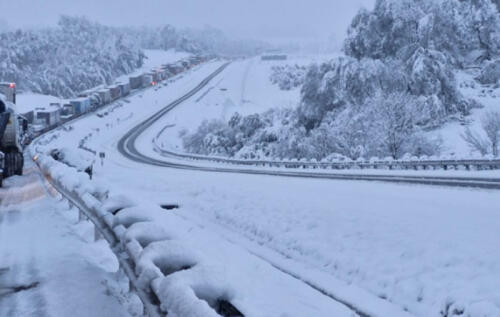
(17, 130)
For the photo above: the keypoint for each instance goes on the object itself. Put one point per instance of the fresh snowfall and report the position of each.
(261, 159)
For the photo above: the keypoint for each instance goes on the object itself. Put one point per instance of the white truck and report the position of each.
(13, 133)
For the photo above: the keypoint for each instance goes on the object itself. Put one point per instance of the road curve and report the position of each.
(126, 146)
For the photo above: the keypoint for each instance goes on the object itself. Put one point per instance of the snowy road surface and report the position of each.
(49, 265)
(425, 250)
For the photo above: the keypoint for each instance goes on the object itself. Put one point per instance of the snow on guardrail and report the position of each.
(375, 163)
(167, 274)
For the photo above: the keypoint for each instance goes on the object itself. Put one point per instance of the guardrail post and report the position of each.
(97, 234)
(81, 215)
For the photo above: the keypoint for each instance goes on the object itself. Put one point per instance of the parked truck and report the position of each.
(13, 132)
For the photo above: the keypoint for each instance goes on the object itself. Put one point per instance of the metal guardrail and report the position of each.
(148, 298)
(377, 165)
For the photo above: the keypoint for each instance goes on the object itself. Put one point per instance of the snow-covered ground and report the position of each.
(428, 250)
(451, 132)
(49, 264)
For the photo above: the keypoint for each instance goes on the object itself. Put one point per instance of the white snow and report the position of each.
(43, 245)
(451, 132)
(27, 102)
(421, 248)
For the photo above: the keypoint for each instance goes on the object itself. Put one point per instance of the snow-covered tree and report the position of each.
(394, 122)
(475, 141)
(490, 74)
(488, 143)
(491, 126)
(453, 27)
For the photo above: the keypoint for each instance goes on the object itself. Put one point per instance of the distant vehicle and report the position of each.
(274, 57)
(13, 133)
(105, 95)
(147, 80)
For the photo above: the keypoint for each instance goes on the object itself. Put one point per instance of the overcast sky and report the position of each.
(264, 19)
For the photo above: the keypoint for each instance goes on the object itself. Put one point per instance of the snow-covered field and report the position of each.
(49, 264)
(427, 250)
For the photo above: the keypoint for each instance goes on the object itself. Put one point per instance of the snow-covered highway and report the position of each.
(362, 243)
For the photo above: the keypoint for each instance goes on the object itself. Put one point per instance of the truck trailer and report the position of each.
(115, 92)
(135, 82)
(13, 131)
(105, 95)
(124, 89)
(80, 105)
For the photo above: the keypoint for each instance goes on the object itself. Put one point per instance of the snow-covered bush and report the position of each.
(489, 141)
(288, 77)
(490, 74)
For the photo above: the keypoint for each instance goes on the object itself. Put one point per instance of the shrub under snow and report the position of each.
(490, 74)
(288, 77)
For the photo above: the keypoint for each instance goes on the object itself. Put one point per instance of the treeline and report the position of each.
(200, 41)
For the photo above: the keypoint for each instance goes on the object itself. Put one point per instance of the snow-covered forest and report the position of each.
(207, 40)
(396, 81)
(79, 54)
(62, 61)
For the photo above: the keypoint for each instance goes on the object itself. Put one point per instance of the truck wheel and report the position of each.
(14, 163)
(19, 164)
(9, 165)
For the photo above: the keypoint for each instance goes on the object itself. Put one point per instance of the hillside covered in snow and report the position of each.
(396, 82)
(72, 57)
(79, 54)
